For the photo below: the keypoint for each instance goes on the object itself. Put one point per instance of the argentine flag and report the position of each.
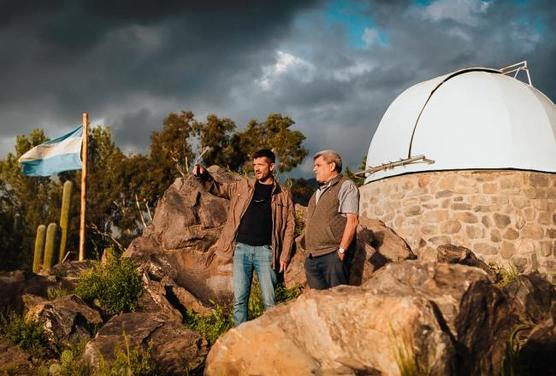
(51, 157)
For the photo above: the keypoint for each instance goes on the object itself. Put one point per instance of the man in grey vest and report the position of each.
(331, 224)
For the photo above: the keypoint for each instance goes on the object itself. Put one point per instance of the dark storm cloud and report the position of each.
(132, 63)
(65, 57)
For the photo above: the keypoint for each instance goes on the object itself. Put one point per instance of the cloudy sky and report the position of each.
(333, 66)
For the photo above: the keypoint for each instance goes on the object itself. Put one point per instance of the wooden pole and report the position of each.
(84, 153)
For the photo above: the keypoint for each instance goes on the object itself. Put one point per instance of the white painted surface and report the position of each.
(475, 120)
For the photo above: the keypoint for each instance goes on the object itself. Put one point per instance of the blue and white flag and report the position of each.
(51, 157)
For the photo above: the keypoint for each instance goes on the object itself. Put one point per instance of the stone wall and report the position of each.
(503, 216)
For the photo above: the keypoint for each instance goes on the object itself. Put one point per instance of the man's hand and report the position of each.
(341, 255)
(198, 170)
(283, 266)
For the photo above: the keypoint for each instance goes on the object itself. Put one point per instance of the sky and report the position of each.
(332, 66)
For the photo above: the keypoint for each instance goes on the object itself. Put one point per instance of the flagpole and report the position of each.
(84, 154)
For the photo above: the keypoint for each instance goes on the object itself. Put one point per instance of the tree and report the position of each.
(11, 256)
(216, 135)
(170, 150)
(32, 194)
(274, 134)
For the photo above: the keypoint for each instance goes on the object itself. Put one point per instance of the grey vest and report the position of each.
(325, 226)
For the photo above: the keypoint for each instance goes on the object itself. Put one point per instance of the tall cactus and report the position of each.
(49, 245)
(39, 246)
(64, 219)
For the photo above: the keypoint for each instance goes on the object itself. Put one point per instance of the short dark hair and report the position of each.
(265, 153)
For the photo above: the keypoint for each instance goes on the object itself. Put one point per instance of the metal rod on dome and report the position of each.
(387, 166)
(516, 68)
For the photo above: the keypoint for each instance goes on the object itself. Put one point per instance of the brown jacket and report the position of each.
(240, 194)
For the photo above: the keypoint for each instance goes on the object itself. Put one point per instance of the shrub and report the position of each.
(117, 286)
(282, 294)
(71, 363)
(213, 326)
(56, 293)
(221, 319)
(505, 274)
(27, 334)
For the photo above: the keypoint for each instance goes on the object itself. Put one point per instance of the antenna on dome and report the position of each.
(516, 68)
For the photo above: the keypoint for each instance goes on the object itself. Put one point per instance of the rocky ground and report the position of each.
(448, 314)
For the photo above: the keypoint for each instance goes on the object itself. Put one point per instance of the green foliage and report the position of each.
(221, 318)
(406, 359)
(274, 134)
(302, 190)
(512, 363)
(64, 219)
(299, 222)
(56, 293)
(116, 285)
(71, 363)
(39, 247)
(49, 246)
(27, 334)
(129, 361)
(212, 326)
(358, 180)
(505, 274)
(282, 294)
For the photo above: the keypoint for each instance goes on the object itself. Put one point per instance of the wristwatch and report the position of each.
(341, 250)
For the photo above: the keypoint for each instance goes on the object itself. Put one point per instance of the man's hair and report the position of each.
(330, 156)
(265, 153)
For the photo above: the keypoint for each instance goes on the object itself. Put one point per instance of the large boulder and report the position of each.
(376, 246)
(178, 244)
(175, 349)
(167, 299)
(67, 321)
(421, 312)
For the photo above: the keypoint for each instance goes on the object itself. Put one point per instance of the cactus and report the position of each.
(39, 245)
(49, 245)
(64, 219)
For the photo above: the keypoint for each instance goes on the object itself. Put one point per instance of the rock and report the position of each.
(531, 298)
(187, 222)
(453, 254)
(15, 284)
(68, 273)
(428, 307)
(384, 240)
(376, 245)
(295, 273)
(333, 332)
(67, 320)
(14, 361)
(176, 349)
(168, 299)
(537, 354)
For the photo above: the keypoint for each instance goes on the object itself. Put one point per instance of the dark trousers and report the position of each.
(326, 271)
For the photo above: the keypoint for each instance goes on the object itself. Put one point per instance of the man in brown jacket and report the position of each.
(258, 232)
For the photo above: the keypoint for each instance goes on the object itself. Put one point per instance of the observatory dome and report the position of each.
(476, 118)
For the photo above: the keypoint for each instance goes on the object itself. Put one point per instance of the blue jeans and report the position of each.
(246, 259)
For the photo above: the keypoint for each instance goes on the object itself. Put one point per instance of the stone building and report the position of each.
(469, 158)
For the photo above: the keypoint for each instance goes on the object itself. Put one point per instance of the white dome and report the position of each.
(474, 119)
